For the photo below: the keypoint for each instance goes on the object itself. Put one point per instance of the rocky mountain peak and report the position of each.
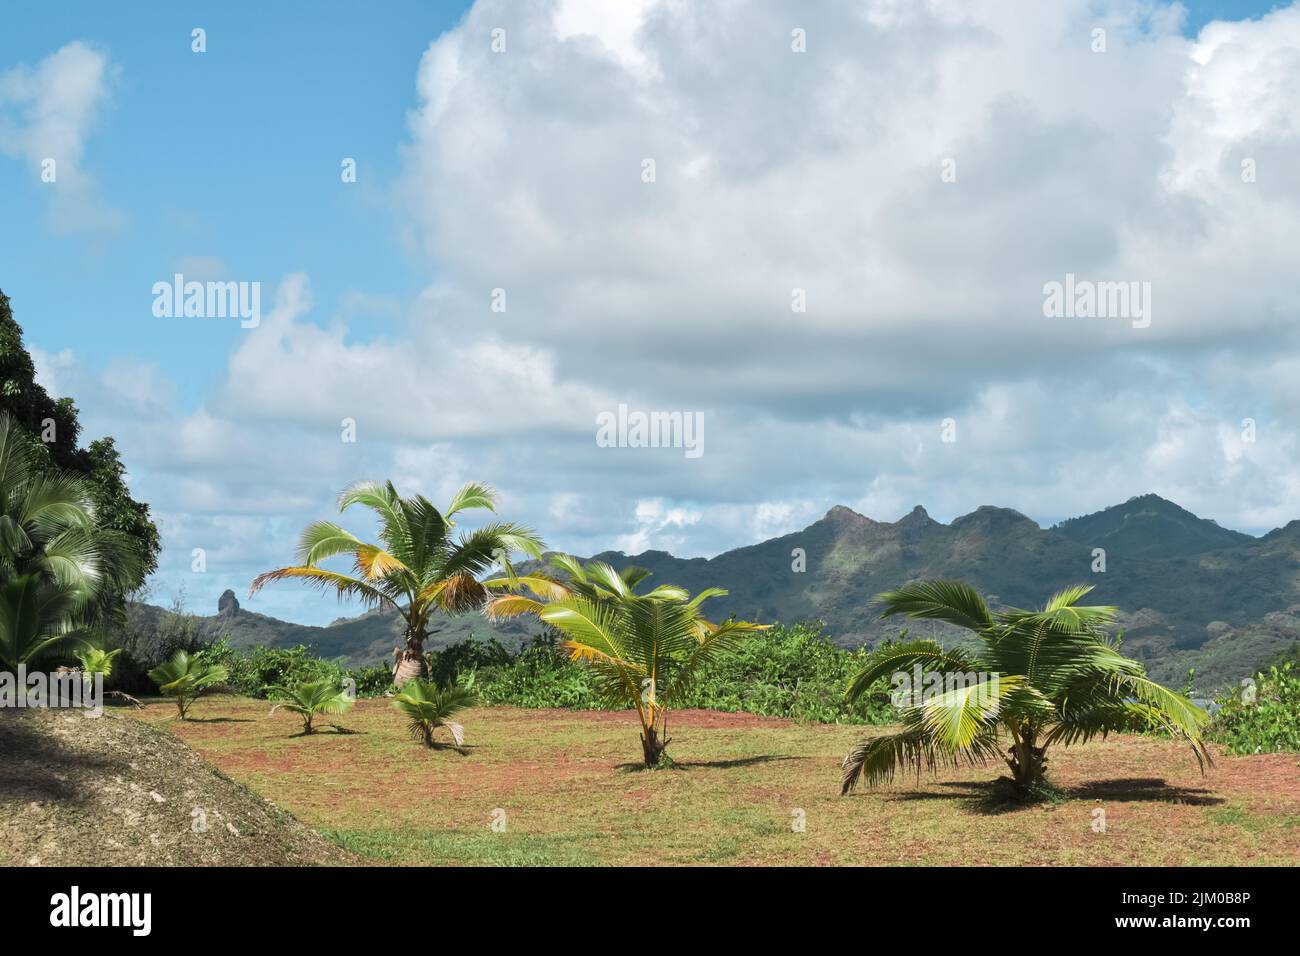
(227, 604)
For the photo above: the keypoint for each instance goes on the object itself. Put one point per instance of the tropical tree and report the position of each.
(1031, 679)
(417, 569)
(51, 430)
(186, 677)
(59, 572)
(309, 698)
(645, 649)
(430, 707)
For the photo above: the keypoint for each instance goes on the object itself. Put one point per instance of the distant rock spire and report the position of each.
(227, 604)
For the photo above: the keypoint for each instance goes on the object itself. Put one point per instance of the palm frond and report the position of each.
(904, 657)
(473, 495)
(875, 760)
(325, 539)
(342, 584)
(950, 601)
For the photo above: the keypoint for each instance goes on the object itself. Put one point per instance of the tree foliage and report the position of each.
(52, 429)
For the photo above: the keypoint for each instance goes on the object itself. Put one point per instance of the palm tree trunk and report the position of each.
(651, 746)
(410, 659)
(1027, 761)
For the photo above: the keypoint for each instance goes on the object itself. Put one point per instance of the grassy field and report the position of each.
(572, 794)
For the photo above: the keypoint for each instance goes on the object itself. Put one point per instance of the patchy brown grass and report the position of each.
(572, 793)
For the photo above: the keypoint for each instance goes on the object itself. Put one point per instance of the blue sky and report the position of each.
(233, 154)
(521, 171)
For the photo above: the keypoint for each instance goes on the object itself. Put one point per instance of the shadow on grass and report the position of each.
(737, 762)
(1144, 789)
(217, 720)
(39, 766)
(464, 750)
(706, 764)
(995, 797)
(333, 730)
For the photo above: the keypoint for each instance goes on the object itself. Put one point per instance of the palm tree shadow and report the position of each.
(996, 797)
(737, 762)
(464, 750)
(344, 731)
(1144, 789)
(217, 720)
(638, 766)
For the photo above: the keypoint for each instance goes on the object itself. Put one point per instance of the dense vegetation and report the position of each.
(51, 430)
(793, 672)
(61, 573)
(1263, 716)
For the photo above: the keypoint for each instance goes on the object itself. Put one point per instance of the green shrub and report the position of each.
(1263, 717)
(447, 664)
(257, 671)
(373, 680)
(792, 672)
(539, 676)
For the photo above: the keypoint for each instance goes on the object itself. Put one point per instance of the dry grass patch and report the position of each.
(573, 793)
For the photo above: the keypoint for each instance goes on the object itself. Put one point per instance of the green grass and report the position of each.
(573, 794)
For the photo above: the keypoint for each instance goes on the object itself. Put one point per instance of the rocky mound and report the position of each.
(113, 791)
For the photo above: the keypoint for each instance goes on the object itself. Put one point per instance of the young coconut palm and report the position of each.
(1036, 678)
(309, 698)
(96, 660)
(186, 677)
(430, 707)
(645, 648)
(418, 568)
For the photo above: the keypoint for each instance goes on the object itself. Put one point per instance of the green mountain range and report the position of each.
(1190, 593)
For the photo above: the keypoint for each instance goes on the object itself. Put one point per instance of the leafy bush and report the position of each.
(373, 680)
(539, 676)
(446, 665)
(1268, 723)
(256, 672)
(791, 672)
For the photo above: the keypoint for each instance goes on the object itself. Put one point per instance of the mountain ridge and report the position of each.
(1190, 593)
